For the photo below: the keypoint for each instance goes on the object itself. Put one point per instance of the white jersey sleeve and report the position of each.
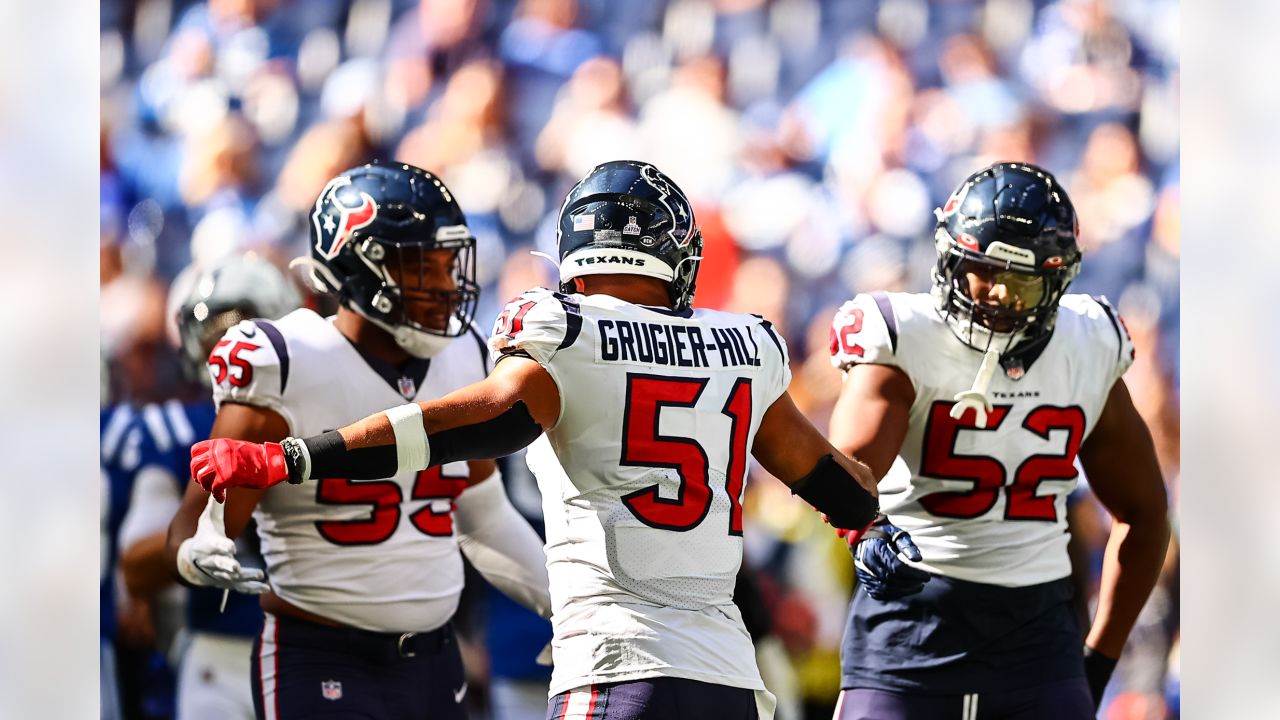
(781, 371)
(1119, 339)
(864, 331)
(250, 365)
(536, 323)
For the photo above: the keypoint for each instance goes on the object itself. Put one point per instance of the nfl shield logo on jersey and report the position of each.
(408, 387)
(331, 690)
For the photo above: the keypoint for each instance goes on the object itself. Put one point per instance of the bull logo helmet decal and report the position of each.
(678, 214)
(331, 234)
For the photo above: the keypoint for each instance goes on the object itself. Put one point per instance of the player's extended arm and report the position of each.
(792, 450)
(494, 417)
(242, 422)
(871, 415)
(1120, 461)
(869, 422)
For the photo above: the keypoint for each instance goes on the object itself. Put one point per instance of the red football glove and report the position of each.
(223, 463)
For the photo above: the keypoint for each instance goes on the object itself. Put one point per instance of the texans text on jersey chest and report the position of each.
(676, 345)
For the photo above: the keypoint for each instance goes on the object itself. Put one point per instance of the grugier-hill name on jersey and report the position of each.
(630, 341)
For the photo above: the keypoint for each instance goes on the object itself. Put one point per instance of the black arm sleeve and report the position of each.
(330, 458)
(833, 491)
(499, 436)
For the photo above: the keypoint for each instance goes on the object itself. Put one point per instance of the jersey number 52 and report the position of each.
(939, 460)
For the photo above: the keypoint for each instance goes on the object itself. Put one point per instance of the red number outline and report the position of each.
(233, 356)
(840, 338)
(939, 460)
(739, 430)
(512, 325)
(431, 485)
(218, 363)
(383, 519)
(246, 370)
(385, 498)
(1023, 503)
(644, 446)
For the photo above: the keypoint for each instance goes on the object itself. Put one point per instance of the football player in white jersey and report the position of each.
(651, 409)
(973, 404)
(204, 302)
(363, 576)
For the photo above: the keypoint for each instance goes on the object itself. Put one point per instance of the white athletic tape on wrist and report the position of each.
(412, 452)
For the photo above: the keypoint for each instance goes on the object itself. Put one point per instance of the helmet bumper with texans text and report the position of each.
(628, 217)
(375, 233)
(1013, 225)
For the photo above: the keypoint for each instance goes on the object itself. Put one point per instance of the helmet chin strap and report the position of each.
(422, 345)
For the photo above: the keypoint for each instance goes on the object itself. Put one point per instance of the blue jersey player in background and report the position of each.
(214, 672)
(118, 462)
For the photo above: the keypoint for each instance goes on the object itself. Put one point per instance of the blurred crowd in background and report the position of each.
(815, 137)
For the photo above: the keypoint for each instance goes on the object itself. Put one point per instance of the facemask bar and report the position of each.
(972, 320)
(682, 297)
(398, 291)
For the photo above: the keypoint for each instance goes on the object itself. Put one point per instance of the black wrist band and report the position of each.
(833, 491)
(1097, 671)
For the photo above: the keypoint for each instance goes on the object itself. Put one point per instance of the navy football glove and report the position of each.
(878, 567)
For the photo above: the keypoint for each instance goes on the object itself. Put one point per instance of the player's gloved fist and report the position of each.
(223, 463)
(208, 559)
(1097, 670)
(878, 563)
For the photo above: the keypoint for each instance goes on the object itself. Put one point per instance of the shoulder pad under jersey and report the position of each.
(250, 365)
(537, 323)
(864, 330)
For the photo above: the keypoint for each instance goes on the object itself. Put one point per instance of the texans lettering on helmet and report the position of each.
(332, 235)
(628, 217)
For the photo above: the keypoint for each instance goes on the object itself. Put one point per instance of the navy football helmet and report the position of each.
(205, 302)
(628, 217)
(373, 232)
(1013, 225)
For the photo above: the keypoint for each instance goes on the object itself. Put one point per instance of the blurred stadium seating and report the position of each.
(815, 137)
